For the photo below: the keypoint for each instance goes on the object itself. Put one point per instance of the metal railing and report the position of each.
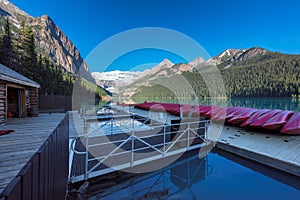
(122, 147)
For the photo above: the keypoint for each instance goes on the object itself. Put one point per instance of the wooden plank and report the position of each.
(273, 149)
(17, 148)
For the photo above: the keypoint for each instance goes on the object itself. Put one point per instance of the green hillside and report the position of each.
(269, 75)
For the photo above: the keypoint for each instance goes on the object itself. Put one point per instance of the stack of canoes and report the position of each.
(284, 121)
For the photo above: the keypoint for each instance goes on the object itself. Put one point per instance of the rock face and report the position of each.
(197, 61)
(165, 64)
(233, 55)
(49, 37)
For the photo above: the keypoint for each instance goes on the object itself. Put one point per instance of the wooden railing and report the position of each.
(45, 176)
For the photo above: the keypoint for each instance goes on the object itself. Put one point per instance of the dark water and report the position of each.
(218, 176)
(268, 103)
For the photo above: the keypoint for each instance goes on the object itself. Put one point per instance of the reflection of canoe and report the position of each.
(259, 121)
(277, 121)
(254, 117)
(293, 125)
(242, 116)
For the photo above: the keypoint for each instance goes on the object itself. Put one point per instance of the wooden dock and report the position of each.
(272, 149)
(17, 149)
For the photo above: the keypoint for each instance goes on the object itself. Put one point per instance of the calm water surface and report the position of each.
(268, 103)
(217, 176)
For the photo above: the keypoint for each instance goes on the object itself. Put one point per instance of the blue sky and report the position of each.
(216, 25)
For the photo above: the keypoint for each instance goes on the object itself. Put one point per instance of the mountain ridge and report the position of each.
(166, 68)
(232, 64)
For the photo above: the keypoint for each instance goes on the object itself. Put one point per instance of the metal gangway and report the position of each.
(124, 141)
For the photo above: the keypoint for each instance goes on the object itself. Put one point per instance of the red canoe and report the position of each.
(293, 125)
(226, 114)
(242, 116)
(213, 111)
(204, 109)
(259, 121)
(254, 117)
(233, 112)
(277, 121)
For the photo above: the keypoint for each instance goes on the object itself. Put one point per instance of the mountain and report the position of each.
(236, 55)
(163, 65)
(50, 39)
(113, 80)
(197, 61)
(251, 72)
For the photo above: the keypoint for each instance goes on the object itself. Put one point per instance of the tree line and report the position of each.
(18, 51)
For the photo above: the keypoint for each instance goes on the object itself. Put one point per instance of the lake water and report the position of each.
(268, 103)
(218, 176)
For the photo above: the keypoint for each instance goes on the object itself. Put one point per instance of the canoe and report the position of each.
(204, 109)
(231, 112)
(277, 121)
(144, 106)
(259, 121)
(226, 113)
(293, 125)
(254, 117)
(218, 112)
(213, 111)
(242, 116)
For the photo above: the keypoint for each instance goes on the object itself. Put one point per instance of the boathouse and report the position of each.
(18, 95)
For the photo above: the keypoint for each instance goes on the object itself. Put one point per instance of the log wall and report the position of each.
(33, 102)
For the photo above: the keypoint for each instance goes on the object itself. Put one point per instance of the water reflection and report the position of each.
(267, 103)
(217, 176)
(171, 181)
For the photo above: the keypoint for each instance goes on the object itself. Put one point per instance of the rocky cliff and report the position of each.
(50, 39)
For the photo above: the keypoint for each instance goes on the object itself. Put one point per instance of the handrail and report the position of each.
(185, 136)
(73, 143)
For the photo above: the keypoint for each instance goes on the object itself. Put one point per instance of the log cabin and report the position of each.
(18, 95)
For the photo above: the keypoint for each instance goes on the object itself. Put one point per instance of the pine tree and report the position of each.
(27, 55)
(6, 46)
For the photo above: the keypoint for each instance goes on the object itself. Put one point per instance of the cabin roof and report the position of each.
(10, 75)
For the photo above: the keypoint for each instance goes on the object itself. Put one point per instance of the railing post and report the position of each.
(188, 141)
(111, 126)
(164, 147)
(132, 149)
(132, 121)
(205, 130)
(86, 151)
